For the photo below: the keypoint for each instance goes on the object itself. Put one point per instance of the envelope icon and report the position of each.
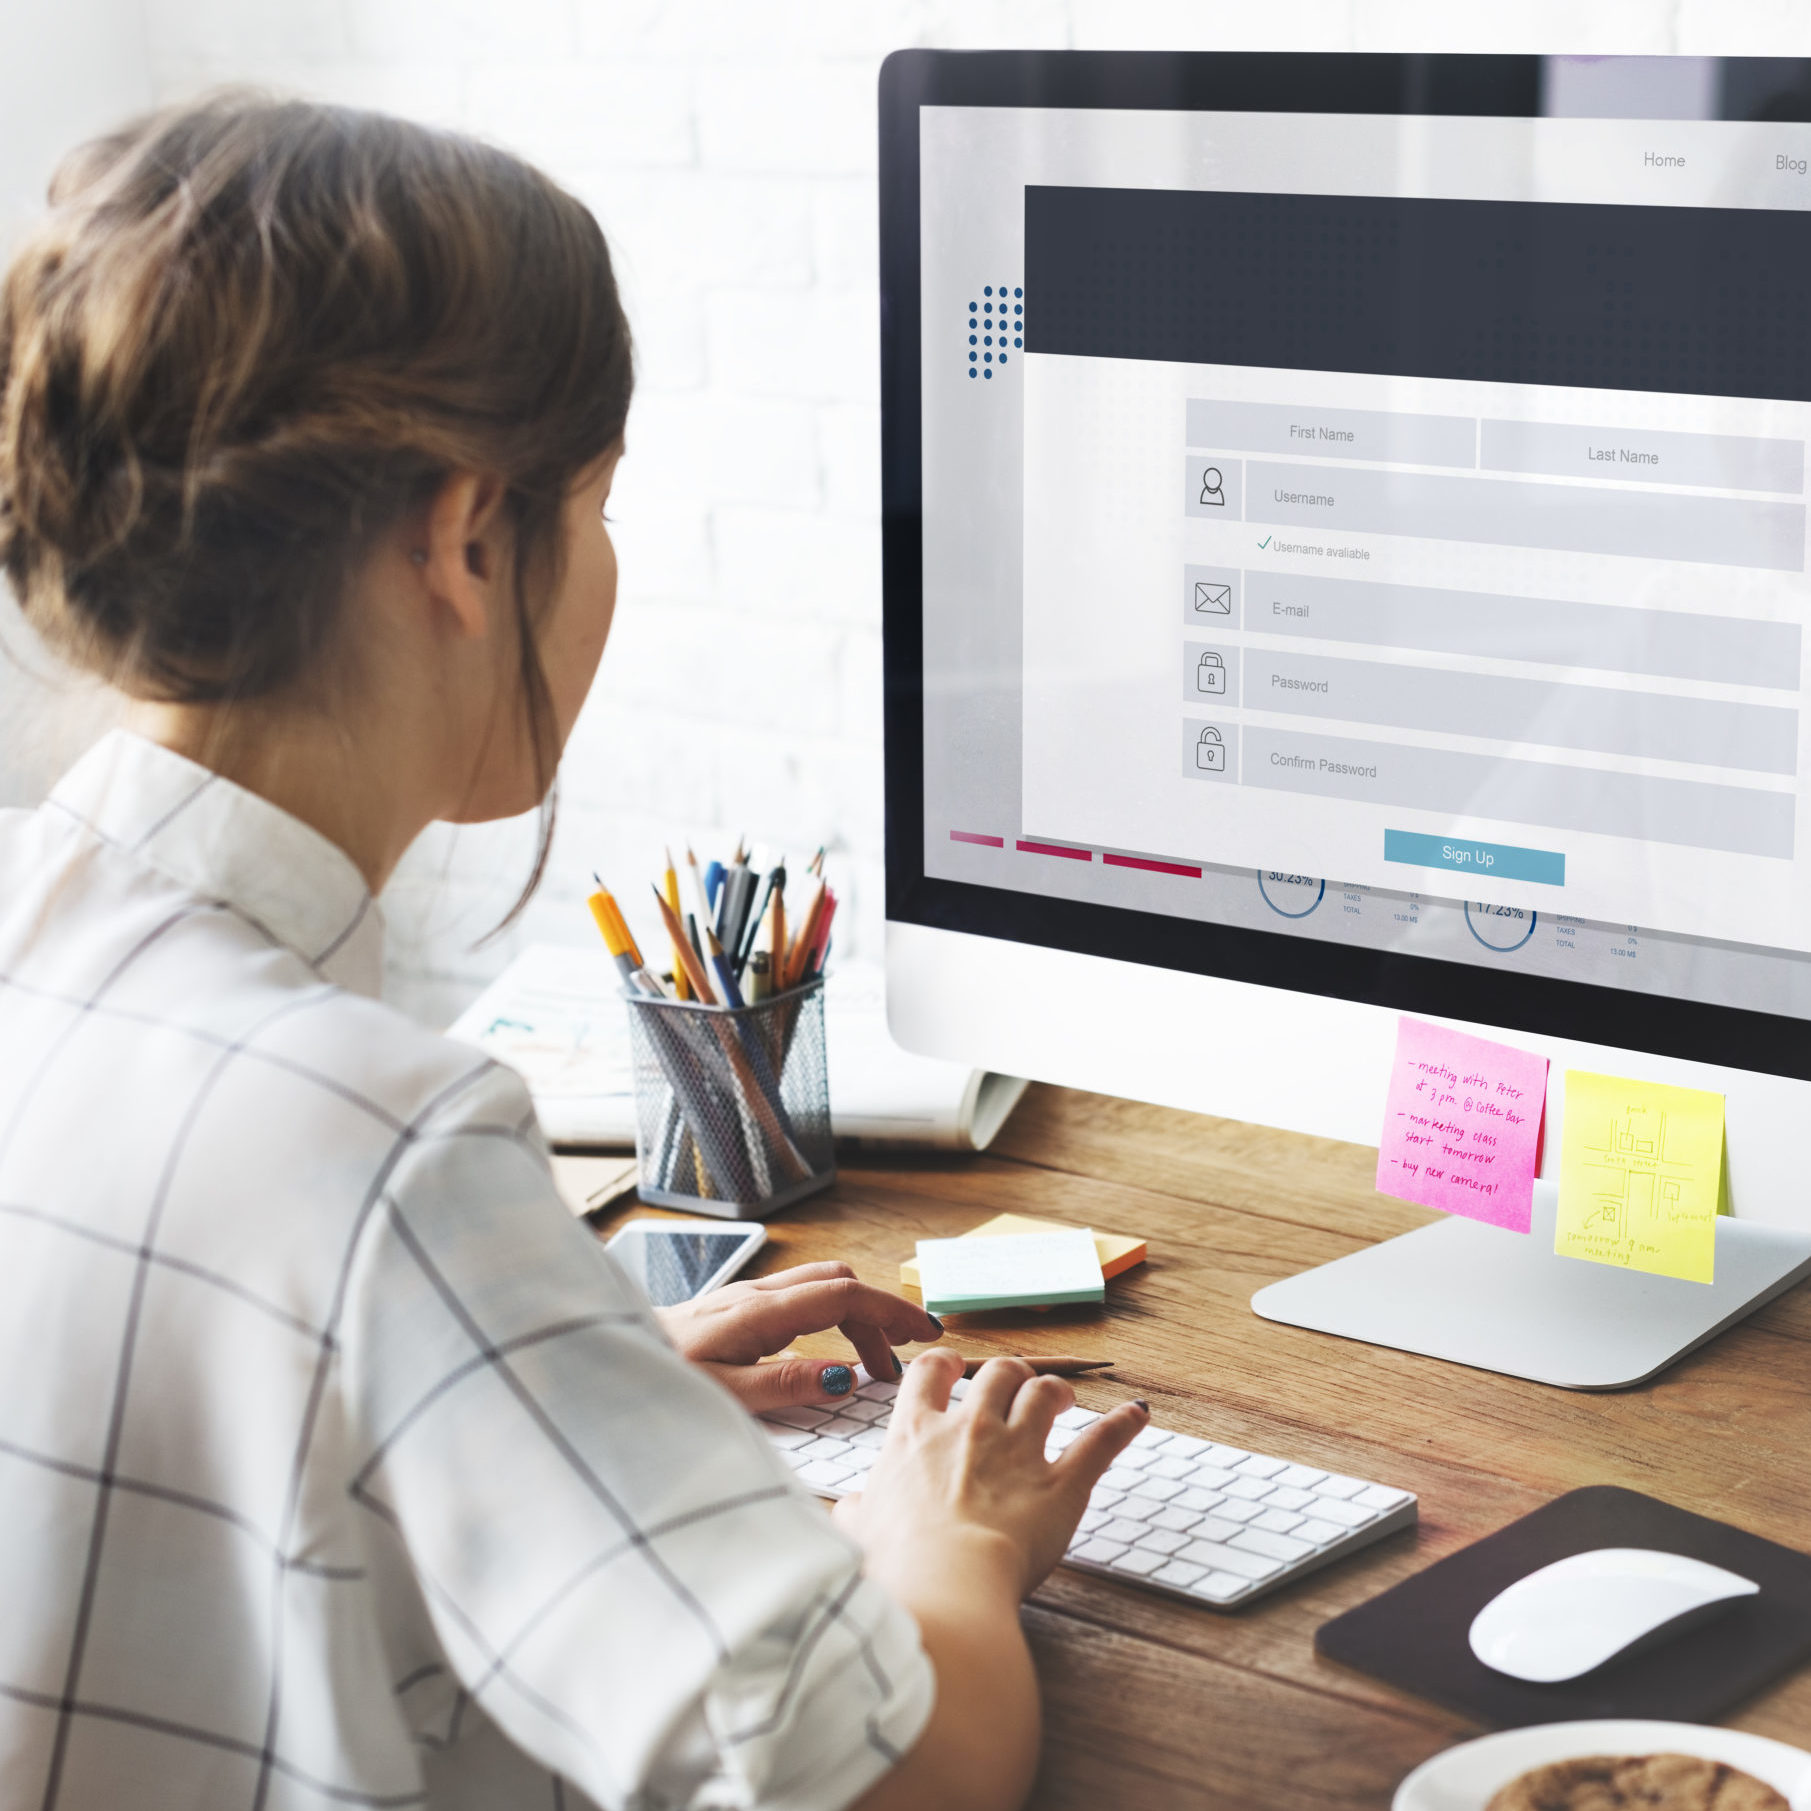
(1213, 600)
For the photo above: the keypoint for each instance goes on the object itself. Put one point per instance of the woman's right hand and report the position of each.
(961, 1484)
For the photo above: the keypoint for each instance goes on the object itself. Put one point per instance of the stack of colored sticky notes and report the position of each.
(1011, 1270)
(1115, 1251)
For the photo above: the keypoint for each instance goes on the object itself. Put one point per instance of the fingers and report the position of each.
(925, 1389)
(1101, 1442)
(790, 1383)
(821, 1302)
(872, 1349)
(800, 1273)
(996, 1384)
(1037, 1405)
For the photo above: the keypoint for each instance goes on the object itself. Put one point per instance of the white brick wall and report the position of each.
(728, 148)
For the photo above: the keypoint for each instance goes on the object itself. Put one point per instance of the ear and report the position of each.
(463, 550)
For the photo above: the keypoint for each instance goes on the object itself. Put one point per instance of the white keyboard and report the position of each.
(1196, 1519)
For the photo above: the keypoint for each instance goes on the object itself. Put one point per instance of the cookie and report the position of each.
(1644, 1782)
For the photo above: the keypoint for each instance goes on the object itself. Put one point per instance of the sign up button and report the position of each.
(1463, 855)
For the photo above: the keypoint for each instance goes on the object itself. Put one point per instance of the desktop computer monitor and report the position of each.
(1345, 550)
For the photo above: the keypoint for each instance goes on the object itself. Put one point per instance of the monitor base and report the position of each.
(1501, 1301)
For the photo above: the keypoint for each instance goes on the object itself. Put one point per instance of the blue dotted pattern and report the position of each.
(999, 316)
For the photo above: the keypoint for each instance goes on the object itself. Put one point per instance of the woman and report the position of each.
(336, 1464)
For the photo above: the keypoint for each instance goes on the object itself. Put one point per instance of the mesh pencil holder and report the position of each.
(732, 1106)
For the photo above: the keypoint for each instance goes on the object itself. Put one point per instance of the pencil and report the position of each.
(806, 936)
(688, 962)
(680, 985)
(1044, 1367)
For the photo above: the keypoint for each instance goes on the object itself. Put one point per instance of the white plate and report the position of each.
(1463, 1778)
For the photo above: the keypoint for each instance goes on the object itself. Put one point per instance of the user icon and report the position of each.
(1210, 487)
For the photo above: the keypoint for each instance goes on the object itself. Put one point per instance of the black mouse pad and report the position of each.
(1415, 1635)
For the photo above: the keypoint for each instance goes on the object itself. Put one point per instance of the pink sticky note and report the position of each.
(1462, 1127)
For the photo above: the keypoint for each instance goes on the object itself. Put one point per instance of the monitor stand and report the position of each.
(1501, 1301)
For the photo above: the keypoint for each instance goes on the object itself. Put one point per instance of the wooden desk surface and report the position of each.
(1157, 1704)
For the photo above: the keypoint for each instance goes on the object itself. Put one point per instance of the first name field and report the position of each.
(1716, 499)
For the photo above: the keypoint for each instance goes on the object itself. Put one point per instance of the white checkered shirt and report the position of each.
(338, 1465)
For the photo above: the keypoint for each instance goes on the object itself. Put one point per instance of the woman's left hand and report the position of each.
(729, 1331)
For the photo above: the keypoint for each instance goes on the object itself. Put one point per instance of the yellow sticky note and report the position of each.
(1641, 1172)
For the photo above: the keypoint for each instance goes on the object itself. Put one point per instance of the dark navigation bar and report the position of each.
(1702, 301)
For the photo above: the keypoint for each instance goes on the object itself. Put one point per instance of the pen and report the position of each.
(1044, 1367)
(732, 994)
(713, 882)
(820, 944)
(775, 878)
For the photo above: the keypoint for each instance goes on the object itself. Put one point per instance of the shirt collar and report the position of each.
(225, 843)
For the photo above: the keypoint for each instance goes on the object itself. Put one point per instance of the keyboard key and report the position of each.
(1211, 1557)
(1094, 1518)
(1277, 1521)
(1228, 1456)
(1215, 1528)
(826, 1472)
(1235, 1509)
(1178, 1572)
(1074, 1420)
(1282, 1497)
(1254, 1466)
(860, 1458)
(790, 1437)
(1299, 1477)
(1120, 1477)
(1200, 1500)
(1102, 1553)
(843, 1427)
(1119, 1529)
(861, 1409)
(874, 1438)
(1139, 1563)
(1320, 1533)
(1211, 1477)
(1272, 1546)
(825, 1449)
(1380, 1497)
(1138, 1509)
(1347, 1515)
(1060, 1438)
(1219, 1587)
(1103, 1498)
(1165, 1467)
(1186, 1446)
(800, 1417)
(1252, 1490)
(877, 1391)
(1160, 1488)
(1157, 1540)
(1336, 1486)
(1175, 1518)
(1148, 1439)
(960, 1387)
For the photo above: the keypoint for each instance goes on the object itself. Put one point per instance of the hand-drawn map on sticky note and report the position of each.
(1462, 1126)
(1641, 1172)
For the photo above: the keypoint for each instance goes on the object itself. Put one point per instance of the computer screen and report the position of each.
(1346, 530)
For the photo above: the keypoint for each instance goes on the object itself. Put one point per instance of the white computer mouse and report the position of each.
(1578, 1613)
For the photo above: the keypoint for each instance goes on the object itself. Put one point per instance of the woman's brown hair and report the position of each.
(251, 335)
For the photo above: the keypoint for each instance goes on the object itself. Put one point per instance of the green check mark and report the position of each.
(1265, 542)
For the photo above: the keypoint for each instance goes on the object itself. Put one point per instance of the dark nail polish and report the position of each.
(1138, 1402)
(898, 1368)
(837, 1380)
(935, 1322)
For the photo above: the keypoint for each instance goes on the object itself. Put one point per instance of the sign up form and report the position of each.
(1444, 544)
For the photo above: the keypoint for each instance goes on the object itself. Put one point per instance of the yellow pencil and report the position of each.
(680, 984)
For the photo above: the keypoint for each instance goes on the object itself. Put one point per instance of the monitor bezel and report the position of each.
(1281, 82)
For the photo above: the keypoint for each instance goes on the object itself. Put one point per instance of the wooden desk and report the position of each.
(1155, 1704)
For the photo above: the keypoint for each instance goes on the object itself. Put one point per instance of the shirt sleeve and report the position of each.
(617, 1565)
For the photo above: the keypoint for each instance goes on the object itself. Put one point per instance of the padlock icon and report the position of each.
(1210, 751)
(1210, 675)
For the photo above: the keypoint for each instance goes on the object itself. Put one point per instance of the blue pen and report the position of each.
(713, 881)
(726, 975)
